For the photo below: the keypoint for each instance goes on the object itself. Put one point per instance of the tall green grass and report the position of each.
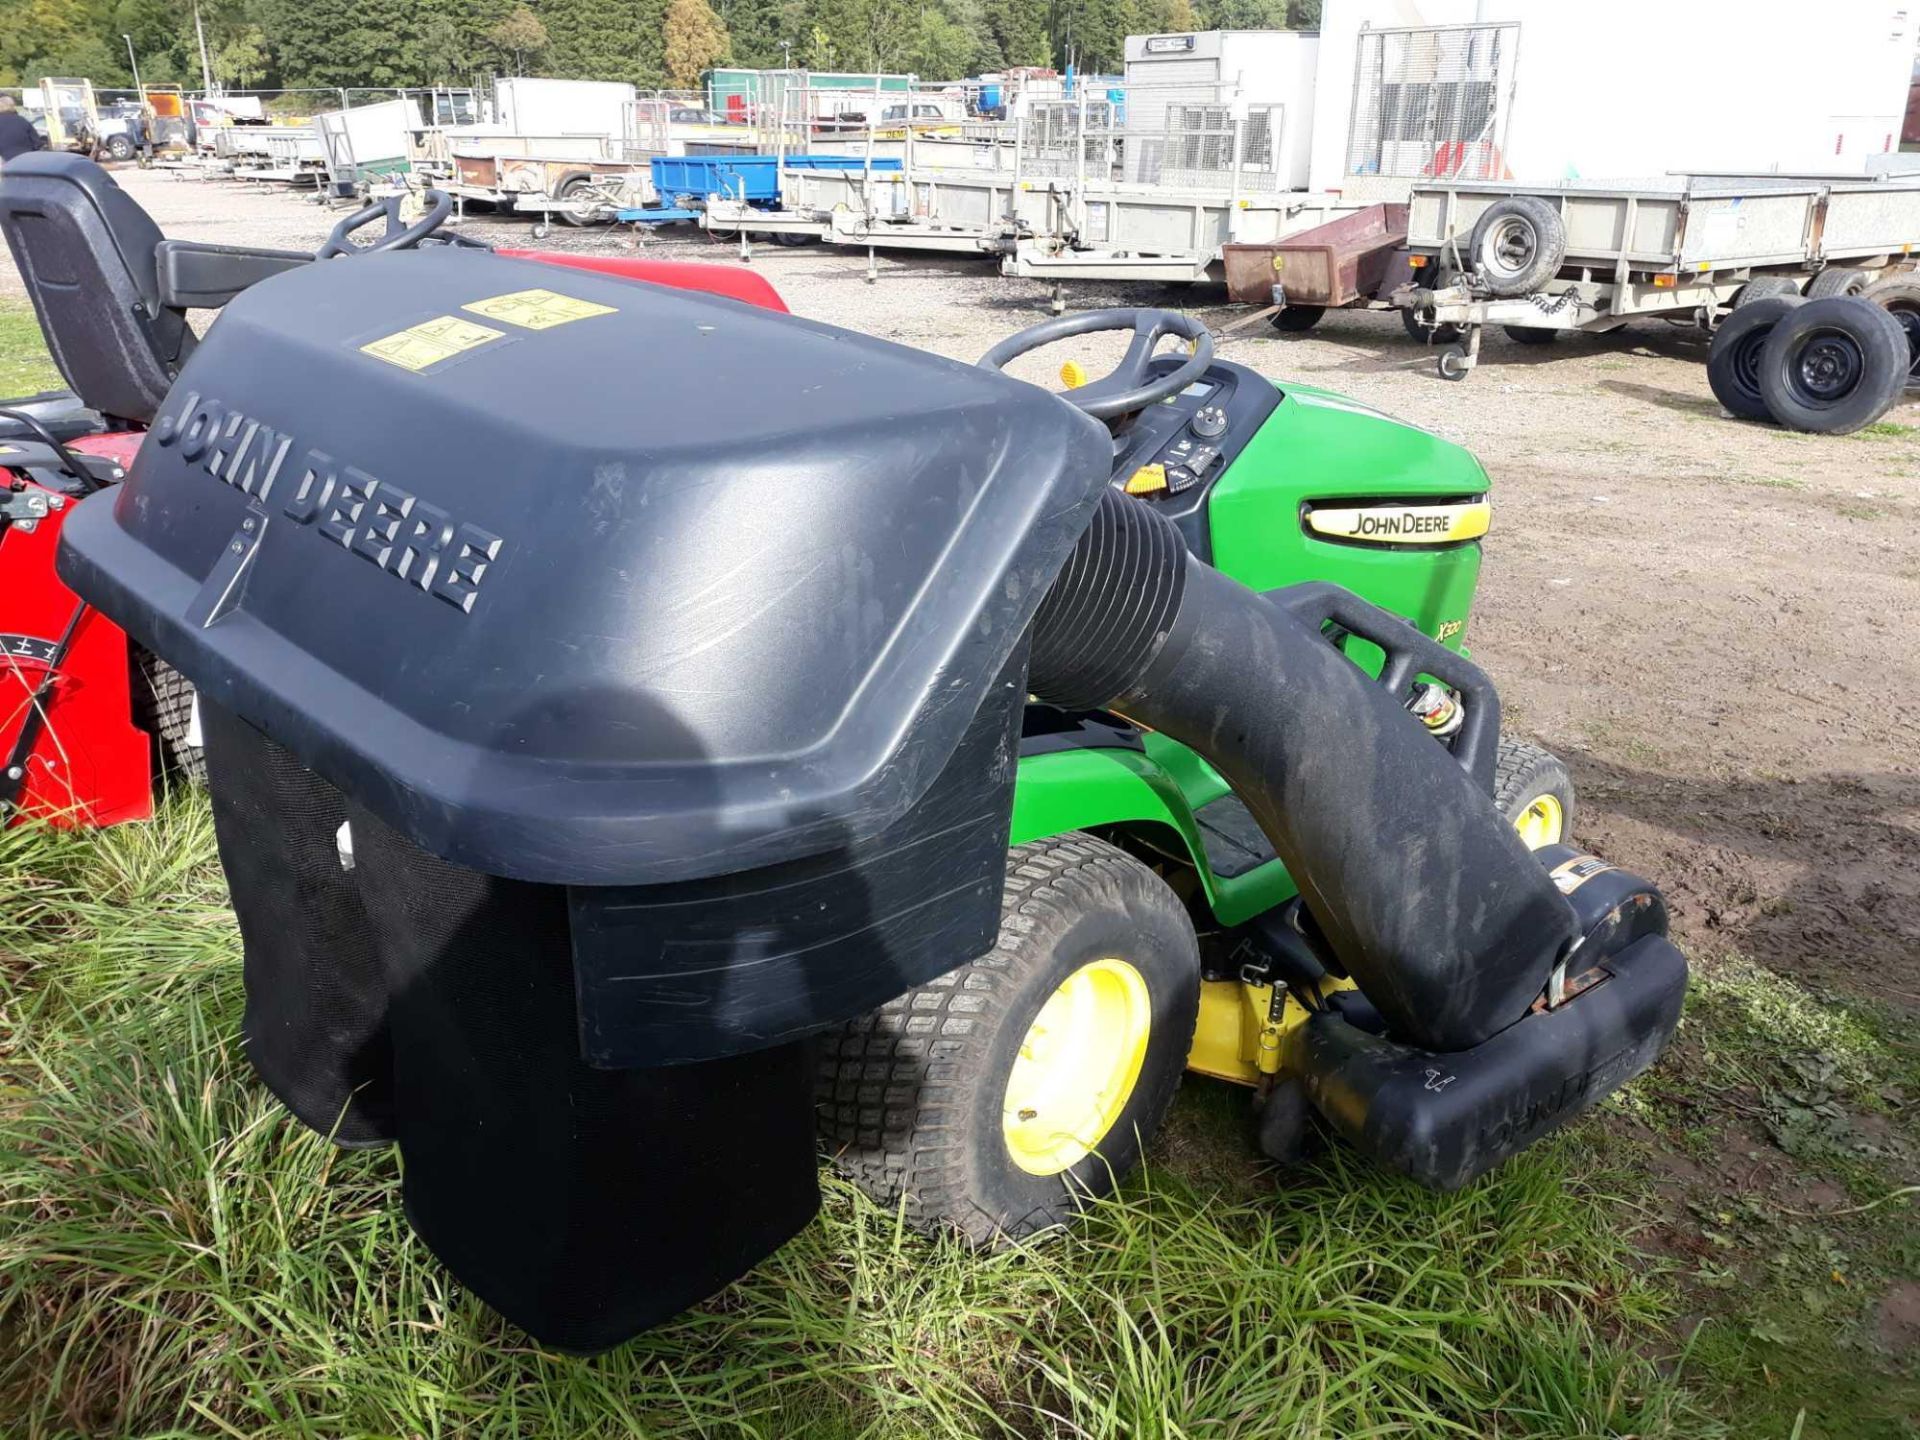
(178, 1257)
(25, 366)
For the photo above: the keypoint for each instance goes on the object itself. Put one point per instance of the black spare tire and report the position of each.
(1833, 366)
(1899, 296)
(1838, 280)
(1733, 360)
(1764, 287)
(1518, 245)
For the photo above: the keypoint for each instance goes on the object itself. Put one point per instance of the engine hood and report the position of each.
(583, 581)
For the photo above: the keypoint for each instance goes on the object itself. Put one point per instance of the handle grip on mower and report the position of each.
(1410, 653)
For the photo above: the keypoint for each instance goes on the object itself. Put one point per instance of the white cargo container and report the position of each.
(1543, 91)
(525, 106)
(1186, 92)
(367, 141)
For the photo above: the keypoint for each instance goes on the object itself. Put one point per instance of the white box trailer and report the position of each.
(526, 106)
(368, 141)
(1546, 91)
(1184, 93)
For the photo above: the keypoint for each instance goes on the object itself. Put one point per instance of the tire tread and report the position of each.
(893, 1088)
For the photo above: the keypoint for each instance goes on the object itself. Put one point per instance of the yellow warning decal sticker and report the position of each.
(1403, 524)
(419, 346)
(1570, 875)
(538, 309)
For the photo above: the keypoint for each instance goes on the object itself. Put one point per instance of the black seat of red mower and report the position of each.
(86, 249)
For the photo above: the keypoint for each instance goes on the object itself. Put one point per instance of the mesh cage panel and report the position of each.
(584, 1205)
(407, 998)
(315, 1025)
(1432, 103)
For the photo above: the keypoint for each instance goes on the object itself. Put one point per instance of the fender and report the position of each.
(1161, 784)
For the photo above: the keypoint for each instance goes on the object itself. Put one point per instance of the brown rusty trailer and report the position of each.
(1347, 261)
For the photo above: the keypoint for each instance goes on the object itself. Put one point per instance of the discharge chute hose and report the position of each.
(1425, 894)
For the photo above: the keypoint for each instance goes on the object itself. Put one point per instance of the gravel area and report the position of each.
(1715, 621)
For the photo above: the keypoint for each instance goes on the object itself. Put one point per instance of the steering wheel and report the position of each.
(398, 237)
(1127, 387)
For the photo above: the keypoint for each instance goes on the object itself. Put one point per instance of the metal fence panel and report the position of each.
(1433, 102)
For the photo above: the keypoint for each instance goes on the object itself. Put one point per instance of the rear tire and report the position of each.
(1297, 319)
(913, 1098)
(1518, 245)
(1834, 366)
(1533, 789)
(163, 707)
(1733, 360)
(1838, 280)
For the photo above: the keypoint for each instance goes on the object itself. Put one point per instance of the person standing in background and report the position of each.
(17, 135)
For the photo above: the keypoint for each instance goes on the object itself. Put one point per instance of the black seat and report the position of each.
(86, 251)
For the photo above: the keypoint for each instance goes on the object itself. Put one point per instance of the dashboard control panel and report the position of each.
(1172, 452)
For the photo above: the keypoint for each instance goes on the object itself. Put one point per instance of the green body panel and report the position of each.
(1316, 447)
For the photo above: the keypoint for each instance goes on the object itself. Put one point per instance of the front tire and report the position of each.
(999, 1098)
(1534, 790)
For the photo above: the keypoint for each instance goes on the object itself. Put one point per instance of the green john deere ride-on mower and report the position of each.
(644, 726)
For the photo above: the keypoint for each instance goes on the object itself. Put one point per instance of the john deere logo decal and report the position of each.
(401, 534)
(1402, 524)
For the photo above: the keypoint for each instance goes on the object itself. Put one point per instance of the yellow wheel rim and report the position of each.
(1543, 822)
(1077, 1066)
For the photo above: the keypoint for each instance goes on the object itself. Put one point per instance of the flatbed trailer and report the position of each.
(577, 188)
(1676, 247)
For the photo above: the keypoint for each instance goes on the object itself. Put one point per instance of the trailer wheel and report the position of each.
(120, 147)
(1453, 363)
(570, 189)
(1733, 360)
(541, 229)
(1530, 335)
(1833, 366)
(1532, 788)
(1425, 334)
(794, 238)
(1764, 287)
(1297, 319)
(1899, 296)
(999, 1098)
(1838, 280)
(1518, 245)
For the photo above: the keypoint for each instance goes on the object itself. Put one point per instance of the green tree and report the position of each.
(1017, 33)
(693, 41)
(605, 40)
(943, 50)
(820, 53)
(1244, 14)
(520, 35)
(443, 49)
(242, 61)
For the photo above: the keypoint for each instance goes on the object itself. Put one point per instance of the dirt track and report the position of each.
(1714, 621)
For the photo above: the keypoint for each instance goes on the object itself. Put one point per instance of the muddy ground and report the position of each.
(1717, 623)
